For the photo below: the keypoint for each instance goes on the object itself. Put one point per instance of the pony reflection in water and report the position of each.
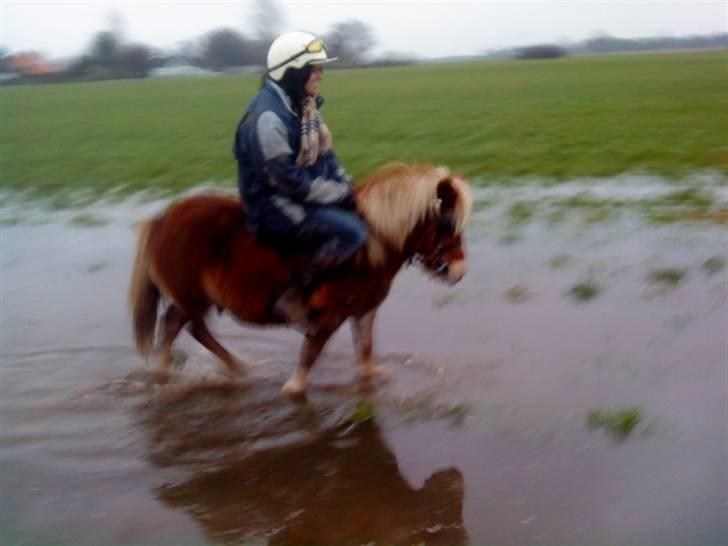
(199, 254)
(330, 491)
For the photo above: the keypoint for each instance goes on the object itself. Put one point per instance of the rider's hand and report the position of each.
(348, 202)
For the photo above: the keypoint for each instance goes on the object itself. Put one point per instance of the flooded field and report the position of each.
(571, 389)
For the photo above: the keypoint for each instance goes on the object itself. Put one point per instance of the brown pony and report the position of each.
(199, 253)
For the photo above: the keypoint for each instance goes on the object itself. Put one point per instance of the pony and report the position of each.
(199, 254)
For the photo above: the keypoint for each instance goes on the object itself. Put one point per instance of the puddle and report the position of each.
(481, 436)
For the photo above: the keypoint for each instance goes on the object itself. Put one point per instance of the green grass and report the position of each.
(363, 412)
(585, 291)
(85, 219)
(518, 293)
(667, 276)
(520, 212)
(558, 119)
(618, 422)
(690, 205)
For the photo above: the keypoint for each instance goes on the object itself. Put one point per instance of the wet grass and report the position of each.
(691, 205)
(86, 219)
(667, 276)
(506, 120)
(691, 197)
(363, 412)
(585, 291)
(713, 265)
(560, 261)
(518, 293)
(692, 215)
(11, 221)
(96, 267)
(510, 238)
(520, 212)
(425, 411)
(619, 423)
(686, 205)
(482, 204)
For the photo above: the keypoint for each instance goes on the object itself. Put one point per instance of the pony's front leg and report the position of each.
(312, 347)
(362, 329)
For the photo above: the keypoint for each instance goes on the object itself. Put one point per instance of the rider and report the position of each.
(293, 186)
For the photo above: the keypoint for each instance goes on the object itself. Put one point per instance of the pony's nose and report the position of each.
(456, 271)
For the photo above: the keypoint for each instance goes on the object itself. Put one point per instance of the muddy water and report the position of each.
(481, 435)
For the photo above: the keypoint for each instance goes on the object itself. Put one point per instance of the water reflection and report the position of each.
(284, 473)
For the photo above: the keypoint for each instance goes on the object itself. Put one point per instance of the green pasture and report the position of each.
(495, 121)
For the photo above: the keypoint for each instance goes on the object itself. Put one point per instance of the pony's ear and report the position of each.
(447, 195)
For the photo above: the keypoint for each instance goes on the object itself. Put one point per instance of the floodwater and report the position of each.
(481, 436)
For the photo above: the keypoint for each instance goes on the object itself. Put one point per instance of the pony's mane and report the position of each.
(395, 198)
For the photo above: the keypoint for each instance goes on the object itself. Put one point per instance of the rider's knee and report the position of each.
(358, 232)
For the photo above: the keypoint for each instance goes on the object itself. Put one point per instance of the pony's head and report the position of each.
(420, 212)
(438, 248)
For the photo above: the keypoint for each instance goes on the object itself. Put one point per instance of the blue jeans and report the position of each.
(333, 235)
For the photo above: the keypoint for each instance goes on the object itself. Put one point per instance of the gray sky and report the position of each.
(424, 28)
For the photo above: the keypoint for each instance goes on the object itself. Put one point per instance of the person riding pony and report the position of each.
(295, 190)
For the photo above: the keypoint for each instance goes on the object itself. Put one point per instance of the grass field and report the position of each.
(495, 121)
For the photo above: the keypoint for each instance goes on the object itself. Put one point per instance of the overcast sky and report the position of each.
(424, 28)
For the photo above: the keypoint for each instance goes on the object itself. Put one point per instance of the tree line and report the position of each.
(109, 56)
(604, 43)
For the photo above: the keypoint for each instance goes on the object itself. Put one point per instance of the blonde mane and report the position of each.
(397, 197)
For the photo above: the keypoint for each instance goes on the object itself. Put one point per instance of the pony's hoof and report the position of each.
(376, 372)
(294, 389)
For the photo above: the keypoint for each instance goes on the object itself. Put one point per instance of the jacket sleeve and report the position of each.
(334, 168)
(279, 166)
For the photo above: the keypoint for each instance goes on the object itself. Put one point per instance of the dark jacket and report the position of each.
(277, 192)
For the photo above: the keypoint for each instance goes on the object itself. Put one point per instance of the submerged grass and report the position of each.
(699, 215)
(620, 422)
(560, 261)
(713, 265)
(425, 410)
(518, 293)
(493, 121)
(363, 412)
(585, 291)
(520, 212)
(667, 276)
(86, 219)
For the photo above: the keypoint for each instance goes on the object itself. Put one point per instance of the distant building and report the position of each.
(245, 69)
(30, 63)
(178, 67)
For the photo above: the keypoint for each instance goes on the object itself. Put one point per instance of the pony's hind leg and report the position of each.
(174, 321)
(199, 331)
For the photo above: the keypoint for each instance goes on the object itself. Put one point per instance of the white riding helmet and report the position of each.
(295, 50)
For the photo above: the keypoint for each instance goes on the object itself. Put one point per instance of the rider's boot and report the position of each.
(292, 306)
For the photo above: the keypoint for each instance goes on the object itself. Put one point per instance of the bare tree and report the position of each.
(268, 21)
(104, 46)
(351, 41)
(117, 25)
(225, 47)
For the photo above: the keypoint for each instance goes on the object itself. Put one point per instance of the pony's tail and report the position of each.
(143, 294)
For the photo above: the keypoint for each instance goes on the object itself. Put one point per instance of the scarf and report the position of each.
(315, 135)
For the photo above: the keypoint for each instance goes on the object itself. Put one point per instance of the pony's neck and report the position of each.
(378, 254)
